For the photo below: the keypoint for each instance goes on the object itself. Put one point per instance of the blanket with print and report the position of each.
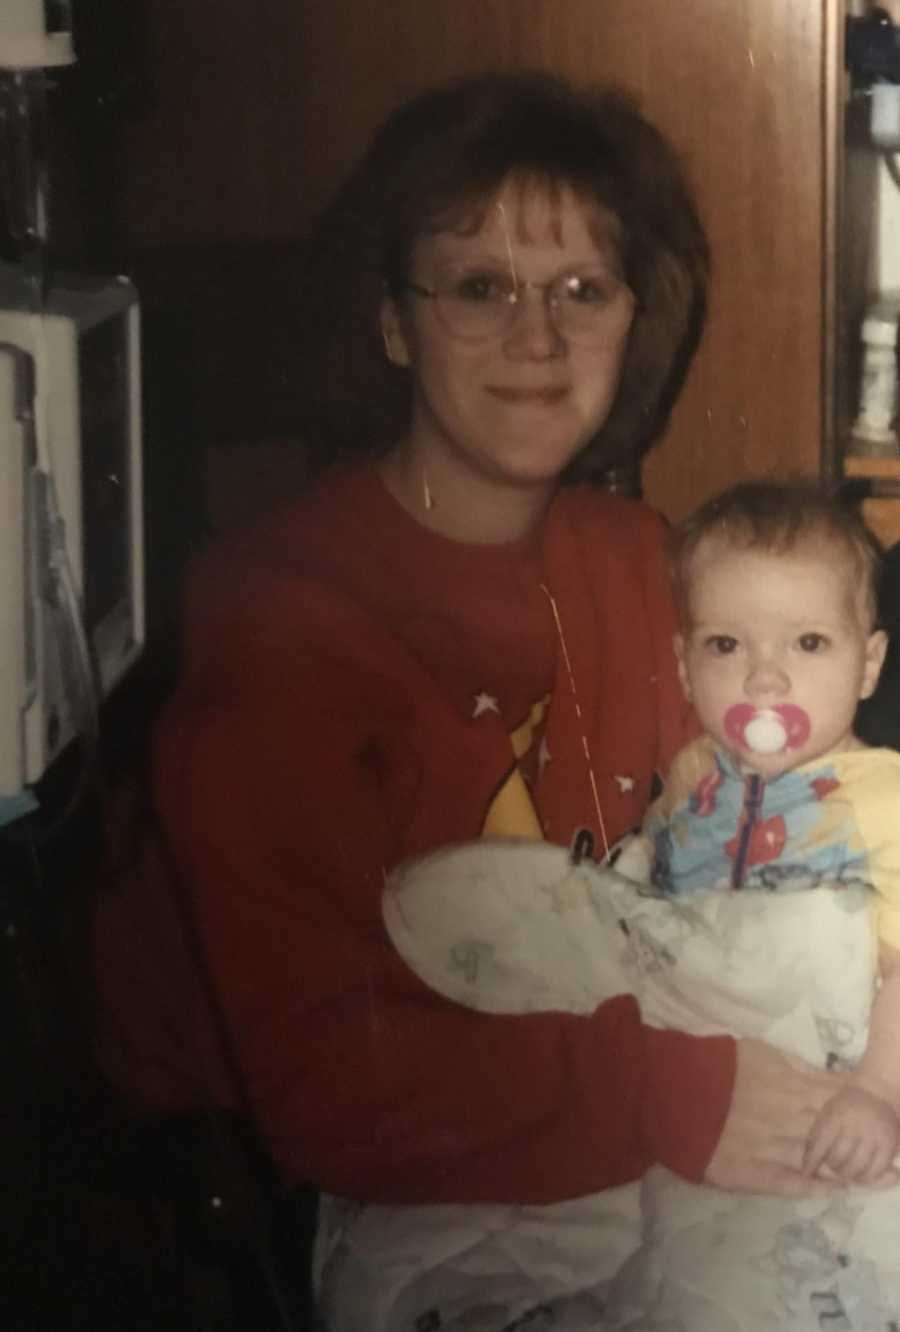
(510, 926)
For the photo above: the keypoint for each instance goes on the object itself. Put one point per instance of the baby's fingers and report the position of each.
(888, 1179)
(822, 1140)
(878, 1166)
(849, 1155)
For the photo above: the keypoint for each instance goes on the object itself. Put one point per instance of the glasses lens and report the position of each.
(476, 303)
(589, 308)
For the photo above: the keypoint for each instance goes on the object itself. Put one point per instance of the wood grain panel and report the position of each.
(753, 136)
(262, 117)
(738, 87)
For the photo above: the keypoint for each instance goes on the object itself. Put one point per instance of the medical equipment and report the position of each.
(71, 529)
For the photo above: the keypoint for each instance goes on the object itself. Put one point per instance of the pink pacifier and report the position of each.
(767, 730)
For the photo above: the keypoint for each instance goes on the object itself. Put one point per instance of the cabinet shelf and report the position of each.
(882, 511)
(878, 469)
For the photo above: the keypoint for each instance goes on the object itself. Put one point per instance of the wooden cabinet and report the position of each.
(882, 511)
(261, 108)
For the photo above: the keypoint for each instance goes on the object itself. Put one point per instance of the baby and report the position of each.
(776, 593)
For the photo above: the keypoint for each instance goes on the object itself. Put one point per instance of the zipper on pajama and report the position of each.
(754, 787)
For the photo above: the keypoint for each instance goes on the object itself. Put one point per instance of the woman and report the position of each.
(453, 635)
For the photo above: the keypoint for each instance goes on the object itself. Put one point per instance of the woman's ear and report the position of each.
(876, 647)
(678, 645)
(396, 346)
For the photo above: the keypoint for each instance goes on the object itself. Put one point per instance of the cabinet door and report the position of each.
(261, 115)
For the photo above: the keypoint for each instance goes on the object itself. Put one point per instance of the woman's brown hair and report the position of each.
(436, 163)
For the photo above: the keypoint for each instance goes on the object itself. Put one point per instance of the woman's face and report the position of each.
(513, 407)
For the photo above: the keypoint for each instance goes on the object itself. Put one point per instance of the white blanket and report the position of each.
(513, 927)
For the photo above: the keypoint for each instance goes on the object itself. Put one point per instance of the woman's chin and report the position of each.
(540, 458)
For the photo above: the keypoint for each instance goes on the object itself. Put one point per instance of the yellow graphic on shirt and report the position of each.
(512, 812)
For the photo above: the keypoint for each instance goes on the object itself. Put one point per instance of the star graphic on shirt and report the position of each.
(485, 702)
(624, 783)
(544, 755)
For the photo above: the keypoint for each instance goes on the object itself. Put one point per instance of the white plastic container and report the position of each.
(885, 117)
(873, 429)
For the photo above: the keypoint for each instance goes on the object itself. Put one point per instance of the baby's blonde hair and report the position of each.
(779, 518)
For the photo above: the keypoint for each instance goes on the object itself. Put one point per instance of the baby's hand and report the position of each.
(856, 1135)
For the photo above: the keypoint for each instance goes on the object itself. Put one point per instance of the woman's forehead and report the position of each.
(532, 210)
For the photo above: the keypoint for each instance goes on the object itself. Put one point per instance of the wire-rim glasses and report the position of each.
(589, 307)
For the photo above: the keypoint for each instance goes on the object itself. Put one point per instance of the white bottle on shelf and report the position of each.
(873, 430)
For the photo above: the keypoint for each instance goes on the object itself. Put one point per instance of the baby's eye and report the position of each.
(721, 645)
(813, 642)
(481, 286)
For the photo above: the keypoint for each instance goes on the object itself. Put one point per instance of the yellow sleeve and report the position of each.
(875, 799)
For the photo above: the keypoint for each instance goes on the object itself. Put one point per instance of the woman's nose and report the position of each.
(766, 676)
(533, 333)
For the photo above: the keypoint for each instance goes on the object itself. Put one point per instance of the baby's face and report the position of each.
(776, 653)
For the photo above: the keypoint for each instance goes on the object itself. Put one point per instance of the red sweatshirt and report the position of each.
(358, 690)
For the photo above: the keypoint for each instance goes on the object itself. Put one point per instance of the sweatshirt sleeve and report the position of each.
(278, 783)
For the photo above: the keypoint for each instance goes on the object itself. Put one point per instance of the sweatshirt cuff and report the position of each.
(686, 1097)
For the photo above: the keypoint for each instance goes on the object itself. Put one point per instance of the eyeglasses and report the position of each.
(589, 308)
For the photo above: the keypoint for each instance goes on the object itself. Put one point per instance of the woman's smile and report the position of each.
(548, 396)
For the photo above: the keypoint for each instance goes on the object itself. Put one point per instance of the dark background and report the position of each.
(106, 1223)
